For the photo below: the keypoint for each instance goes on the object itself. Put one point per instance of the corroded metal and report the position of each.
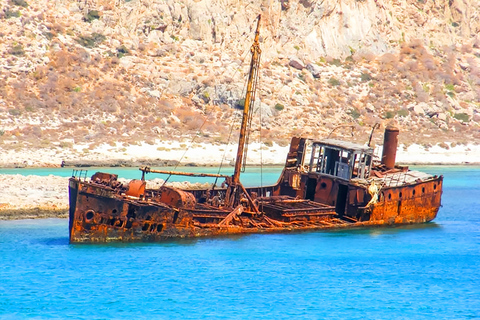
(325, 184)
(390, 143)
(249, 98)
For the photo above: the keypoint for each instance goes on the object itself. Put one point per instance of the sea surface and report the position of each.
(252, 176)
(427, 271)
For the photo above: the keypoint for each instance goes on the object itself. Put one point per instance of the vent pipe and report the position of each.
(390, 143)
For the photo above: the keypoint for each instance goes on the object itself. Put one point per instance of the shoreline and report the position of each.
(33, 213)
(208, 155)
(213, 165)
(36, 197)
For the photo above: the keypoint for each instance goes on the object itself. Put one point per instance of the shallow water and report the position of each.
(253, 176)
(410, 272)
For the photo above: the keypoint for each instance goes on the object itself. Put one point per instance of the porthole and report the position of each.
(89, 215)
(389, 196)
(114, 211)
(413, 192)
(434, 187)
(400, 195)
(323, 185)
(423, 190)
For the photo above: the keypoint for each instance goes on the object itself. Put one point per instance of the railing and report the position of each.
(80, 173)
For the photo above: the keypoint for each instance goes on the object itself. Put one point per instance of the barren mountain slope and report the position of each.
(125, 72)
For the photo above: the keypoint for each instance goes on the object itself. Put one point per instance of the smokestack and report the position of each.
(390, 143)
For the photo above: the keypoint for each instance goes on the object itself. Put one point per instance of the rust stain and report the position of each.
(325, 184)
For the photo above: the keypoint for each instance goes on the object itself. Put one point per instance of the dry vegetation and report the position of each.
(67, 81)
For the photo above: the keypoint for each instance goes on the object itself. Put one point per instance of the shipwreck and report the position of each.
(325, 184)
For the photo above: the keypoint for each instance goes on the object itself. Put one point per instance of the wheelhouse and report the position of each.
(341, 159)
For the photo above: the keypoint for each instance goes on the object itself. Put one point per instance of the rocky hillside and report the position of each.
(125, 72)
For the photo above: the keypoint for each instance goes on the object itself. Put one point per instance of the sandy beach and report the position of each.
(26, 197)
(212, 155)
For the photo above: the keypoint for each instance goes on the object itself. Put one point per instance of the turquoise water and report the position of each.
(253, 176)
(412, 272)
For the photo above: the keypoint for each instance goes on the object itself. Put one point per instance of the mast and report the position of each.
(249, 97)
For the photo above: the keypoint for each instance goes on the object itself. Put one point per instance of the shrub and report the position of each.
(92, 15)
(11, 14)
(21, 3)
(122, 51)
(65, 144)
(402, 112)
(29, 108)
(91, 41)
(461, 116)
(333, 82)
(240, 105)
(365, 77)
(17, 50)
(49, 35)
(336, 62)
(389, 114)
(268, 143)
(450, 87)
(279, 107)
(354, 113)
(14, 112)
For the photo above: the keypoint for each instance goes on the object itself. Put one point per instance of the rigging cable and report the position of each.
(206, 116)
(186, 150)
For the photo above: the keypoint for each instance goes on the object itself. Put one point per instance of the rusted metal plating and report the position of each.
(390, 143)
(335, 185)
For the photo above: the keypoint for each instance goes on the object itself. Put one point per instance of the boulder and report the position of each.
(296, 63)
(314, 69)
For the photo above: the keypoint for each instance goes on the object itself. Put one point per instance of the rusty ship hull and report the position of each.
(101, 213)
(104, 210)
(325, 184)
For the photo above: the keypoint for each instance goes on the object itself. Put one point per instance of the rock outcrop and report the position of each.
(125, 72)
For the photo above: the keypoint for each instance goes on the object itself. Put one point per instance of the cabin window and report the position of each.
(332, 161)
(340, 162)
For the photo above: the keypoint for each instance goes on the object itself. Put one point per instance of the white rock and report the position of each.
(442, 116)
(418, 110)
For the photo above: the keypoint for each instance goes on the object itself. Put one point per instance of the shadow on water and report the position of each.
(165, 243)
(372, 230)
(389, 230)
(63, 241)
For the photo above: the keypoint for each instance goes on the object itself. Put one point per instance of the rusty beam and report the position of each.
(179, 173)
